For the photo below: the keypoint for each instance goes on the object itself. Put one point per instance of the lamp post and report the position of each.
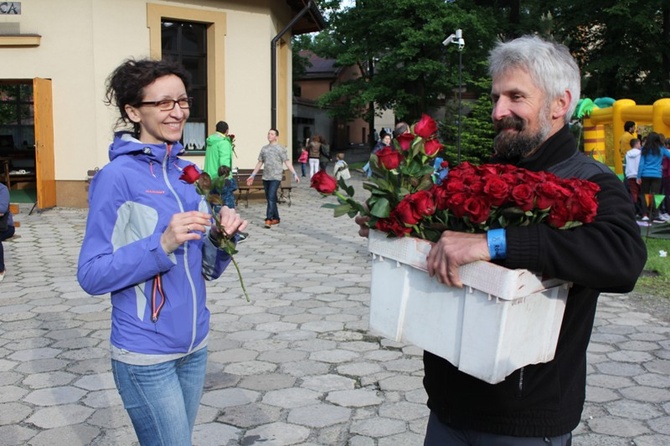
(457, 39)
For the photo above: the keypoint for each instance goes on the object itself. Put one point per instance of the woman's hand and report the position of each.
(183, 227)
(230, 221)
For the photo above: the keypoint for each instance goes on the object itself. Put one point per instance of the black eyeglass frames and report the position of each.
(168, 104)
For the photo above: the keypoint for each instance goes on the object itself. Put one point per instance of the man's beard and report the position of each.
(515, 146)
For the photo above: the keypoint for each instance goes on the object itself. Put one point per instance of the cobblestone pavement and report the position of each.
(296, 366)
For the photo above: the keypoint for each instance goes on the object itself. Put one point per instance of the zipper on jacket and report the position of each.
(187, 271)
(520, 384)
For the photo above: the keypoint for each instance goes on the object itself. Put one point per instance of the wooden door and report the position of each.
(44, 143)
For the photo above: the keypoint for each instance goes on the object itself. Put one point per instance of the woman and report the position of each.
(149, 243)
(649, 172)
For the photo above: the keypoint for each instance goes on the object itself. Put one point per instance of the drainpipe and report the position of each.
(273, 61)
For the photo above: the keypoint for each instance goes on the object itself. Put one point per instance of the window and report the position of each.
(17, 115)
(186, 42)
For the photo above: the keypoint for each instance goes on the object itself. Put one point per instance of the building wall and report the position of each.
(82, 41)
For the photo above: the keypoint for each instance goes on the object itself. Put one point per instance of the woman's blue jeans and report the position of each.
(162, 400)
(271, 187)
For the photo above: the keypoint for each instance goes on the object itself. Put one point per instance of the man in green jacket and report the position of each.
(219, 150)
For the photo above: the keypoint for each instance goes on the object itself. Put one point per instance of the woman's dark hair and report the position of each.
(652, 145)
(125, 86)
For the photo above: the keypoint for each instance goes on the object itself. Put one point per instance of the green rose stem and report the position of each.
(229, 247)
(224, 242)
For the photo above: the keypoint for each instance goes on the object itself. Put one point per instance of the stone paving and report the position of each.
(296, 366)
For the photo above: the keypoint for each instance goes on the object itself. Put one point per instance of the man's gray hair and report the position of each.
(549, 64)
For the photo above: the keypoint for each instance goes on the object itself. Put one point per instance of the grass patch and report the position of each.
(655, 279)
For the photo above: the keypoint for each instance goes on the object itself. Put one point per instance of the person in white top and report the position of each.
(632, 163)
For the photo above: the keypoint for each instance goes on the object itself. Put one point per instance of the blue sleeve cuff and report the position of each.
(497, 241)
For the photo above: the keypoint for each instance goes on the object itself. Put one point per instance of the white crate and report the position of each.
(499, 322)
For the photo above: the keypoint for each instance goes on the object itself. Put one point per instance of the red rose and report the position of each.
(441, 197)
(392, 225)
(389, 158)
(496, 190)
(324, 183)
(405, 140)
(406, 212)
(423, 203)
(476, 209)
(426, 127)
(584, 205)
(549, 193)
(431, 147)
(456, 204)
(524, 196)
(559, 216)
(190, 174)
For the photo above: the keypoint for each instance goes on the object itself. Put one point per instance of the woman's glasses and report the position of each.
(168, 104)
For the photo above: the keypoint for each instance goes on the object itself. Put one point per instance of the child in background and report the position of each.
(303, 159)
(225, 186)
(632, 164)
(341, 169)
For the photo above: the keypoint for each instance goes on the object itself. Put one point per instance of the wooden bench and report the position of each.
(10, 177)
(243, 190)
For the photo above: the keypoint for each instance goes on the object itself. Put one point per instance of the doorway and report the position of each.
(26, 140)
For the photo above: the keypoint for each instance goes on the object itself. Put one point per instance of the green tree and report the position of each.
(397, 46)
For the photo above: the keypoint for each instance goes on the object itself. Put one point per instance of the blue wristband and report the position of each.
(497, 241)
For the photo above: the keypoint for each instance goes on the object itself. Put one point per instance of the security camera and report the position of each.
(449, 40)
(461, 44)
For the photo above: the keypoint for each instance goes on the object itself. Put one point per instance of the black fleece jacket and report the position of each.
(604, 256)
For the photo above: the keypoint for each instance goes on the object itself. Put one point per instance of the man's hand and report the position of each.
(250, 181)
(452, 250)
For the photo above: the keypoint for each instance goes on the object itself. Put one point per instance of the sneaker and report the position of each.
(274, 222)
(645, 218)
(268, 223)
(242, 236)
(664, 217)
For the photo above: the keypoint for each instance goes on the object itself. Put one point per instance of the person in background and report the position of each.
(225, 186)
(650, 172)
(6, 225)
(535, 89)
(272, 158)
(324, 154)
(149, 242)
(303, 159)
(341, 168)
(314, 149)
(384, 141)
(629, 129)
(632, 164)
(219, 151)
(665, 185)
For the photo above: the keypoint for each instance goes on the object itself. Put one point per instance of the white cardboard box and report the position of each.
(499, 322)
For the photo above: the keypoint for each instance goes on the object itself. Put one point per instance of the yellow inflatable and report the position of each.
(594, 120)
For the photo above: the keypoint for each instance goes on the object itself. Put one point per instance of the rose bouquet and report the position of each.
(191, 175)
(415, 193)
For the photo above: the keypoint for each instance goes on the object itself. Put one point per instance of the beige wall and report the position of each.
(82, 41)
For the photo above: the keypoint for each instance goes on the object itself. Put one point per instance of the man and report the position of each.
(535, 89)
(219, 150)
(629, 128)
(272, 158)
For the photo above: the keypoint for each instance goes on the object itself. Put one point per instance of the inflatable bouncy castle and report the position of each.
(596, 115)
